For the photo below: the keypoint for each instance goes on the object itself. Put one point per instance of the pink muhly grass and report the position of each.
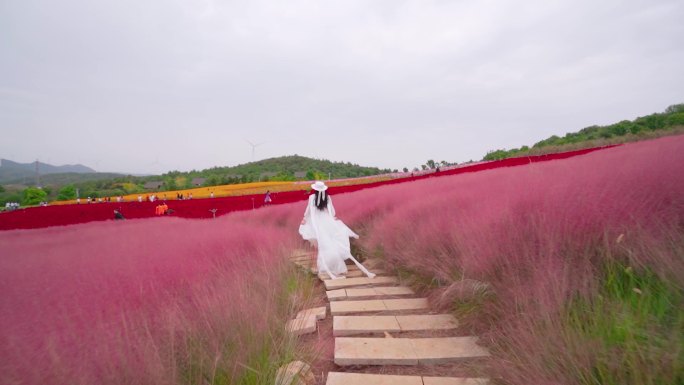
(540, 235)
(144, 302)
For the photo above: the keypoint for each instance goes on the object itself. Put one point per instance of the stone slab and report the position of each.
(354, 274)
(394, 290)
(295, 373)
(361, 293)
(351, 325)
(349, 274)
(406, 303)
(301, 326)
(346, 307)
(454, 381)
(374, 351)
(369, 293)
(336, 295)
(361, 281)
(337, 378)
(432, 351)
(409, 323)
(319, 312)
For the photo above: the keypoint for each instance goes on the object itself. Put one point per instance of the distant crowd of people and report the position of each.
(100, 200)
(140, 198)
(11, 206)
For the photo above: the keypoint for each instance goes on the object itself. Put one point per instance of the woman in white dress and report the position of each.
(329, 234)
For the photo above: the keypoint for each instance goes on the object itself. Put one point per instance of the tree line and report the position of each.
(626, 130)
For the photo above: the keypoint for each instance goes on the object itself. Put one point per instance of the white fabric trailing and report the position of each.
(331, 236)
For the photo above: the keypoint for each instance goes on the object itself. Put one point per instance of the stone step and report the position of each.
(351, 325)
(373, 269)
(419, 322)
(352, 274)
(303, 325)
(343, 378)
(319, 312)
(405, 351)
(377, 305)
(332, 284)
(340, 378)
(367, 293)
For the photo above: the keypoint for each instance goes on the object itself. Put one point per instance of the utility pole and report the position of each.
(37, 175)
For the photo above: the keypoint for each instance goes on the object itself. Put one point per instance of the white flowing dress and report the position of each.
(332, 238)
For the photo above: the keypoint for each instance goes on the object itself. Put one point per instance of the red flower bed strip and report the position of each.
(37, 217)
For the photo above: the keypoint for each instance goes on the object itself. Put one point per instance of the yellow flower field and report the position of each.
(243, 189)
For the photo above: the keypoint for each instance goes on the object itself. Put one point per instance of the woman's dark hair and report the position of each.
(321, 202)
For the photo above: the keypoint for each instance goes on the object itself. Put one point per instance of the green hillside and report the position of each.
(657, 124)
(285, 168)
(274, 169)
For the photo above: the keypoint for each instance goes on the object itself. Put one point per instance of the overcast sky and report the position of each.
(156, 85)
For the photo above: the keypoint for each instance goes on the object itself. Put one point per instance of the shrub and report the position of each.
(33, 196)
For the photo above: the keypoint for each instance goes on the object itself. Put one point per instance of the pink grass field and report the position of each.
(540, 236)
(134, 301)
(131, 302)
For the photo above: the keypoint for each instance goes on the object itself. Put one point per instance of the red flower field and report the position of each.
(37, 217)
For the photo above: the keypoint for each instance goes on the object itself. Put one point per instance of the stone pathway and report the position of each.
(379, 324)
(375, 323)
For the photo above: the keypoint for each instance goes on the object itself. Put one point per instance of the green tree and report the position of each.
(32, 196)
(496, 155)
(430, 163)
(66, 193)
(405, 169)
(675, 108)
(2, 189)
(170, 184)
(212, 180)
(675, 119)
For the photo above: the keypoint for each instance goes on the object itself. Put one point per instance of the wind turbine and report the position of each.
(254, 146)
(156, 164)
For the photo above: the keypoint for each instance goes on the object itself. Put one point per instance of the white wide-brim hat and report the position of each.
(319, 186)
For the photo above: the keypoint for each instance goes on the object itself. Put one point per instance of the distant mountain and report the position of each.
(15, 172)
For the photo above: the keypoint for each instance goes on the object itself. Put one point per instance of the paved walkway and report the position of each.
(374, 324)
